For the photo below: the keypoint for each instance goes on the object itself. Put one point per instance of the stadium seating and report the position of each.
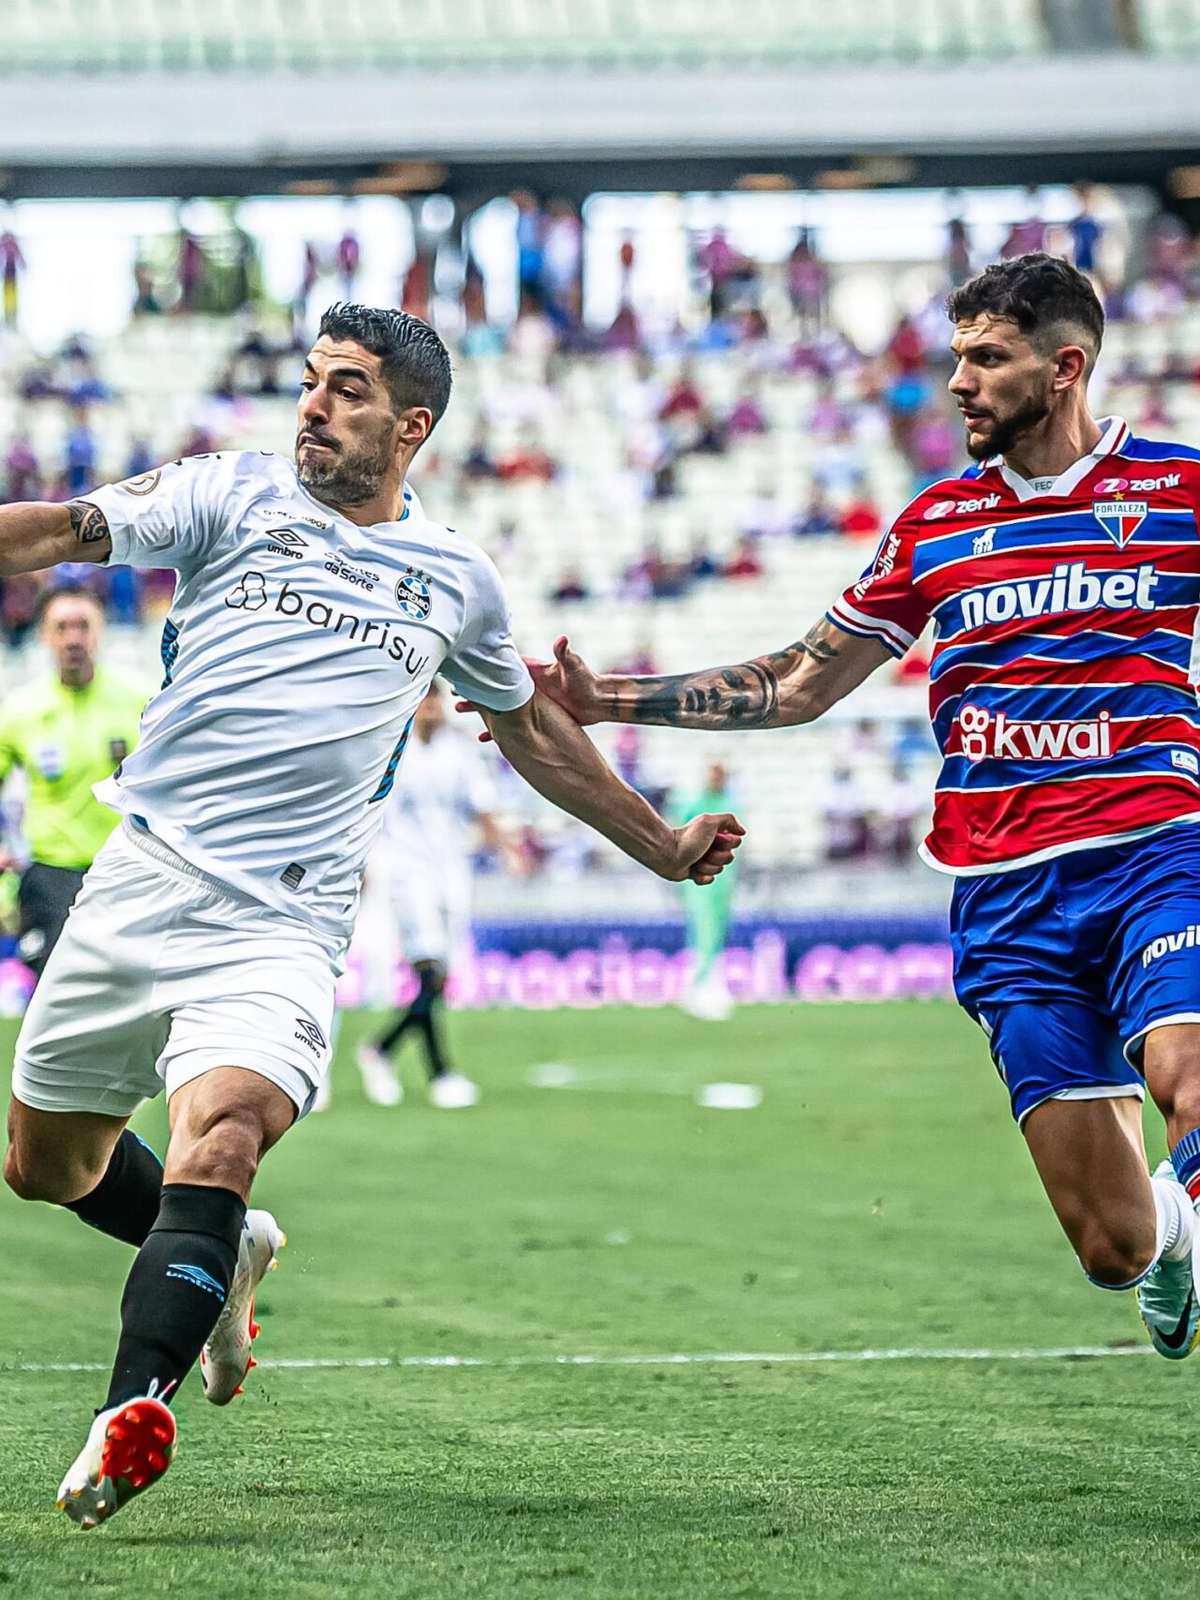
(591, 517)
(305, 35)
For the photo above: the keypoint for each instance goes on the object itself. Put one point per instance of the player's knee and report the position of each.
(1115, 1253)
(30, 1179)
(220, 1149)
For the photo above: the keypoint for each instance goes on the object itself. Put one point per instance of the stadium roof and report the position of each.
(193, 96)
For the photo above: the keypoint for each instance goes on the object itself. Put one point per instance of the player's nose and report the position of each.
(314, 405)
(960, 382)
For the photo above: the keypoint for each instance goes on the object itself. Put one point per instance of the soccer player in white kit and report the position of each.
(426, 843)
(315, 603)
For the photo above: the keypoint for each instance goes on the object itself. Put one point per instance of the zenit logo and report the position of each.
(1070, 587)
(960, 508)
(1136, 485)
(1168, 943)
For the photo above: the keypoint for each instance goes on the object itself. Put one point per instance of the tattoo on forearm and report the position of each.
(88, 522)
(744, 696)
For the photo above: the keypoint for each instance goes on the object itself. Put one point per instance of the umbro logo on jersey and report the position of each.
(308, 1033)
(1070, 587)
(960, 508)
(287, 542)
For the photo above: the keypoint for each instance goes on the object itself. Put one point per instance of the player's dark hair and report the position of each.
(1038, 292)
(81, 591)
(414, 361)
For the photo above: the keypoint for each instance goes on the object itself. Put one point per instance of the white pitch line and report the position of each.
(701, 1358)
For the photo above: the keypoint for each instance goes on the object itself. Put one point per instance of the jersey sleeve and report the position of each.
(484, 664)
(883, 604)
(170, 517)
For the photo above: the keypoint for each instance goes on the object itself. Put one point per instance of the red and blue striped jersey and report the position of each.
(1064, 615)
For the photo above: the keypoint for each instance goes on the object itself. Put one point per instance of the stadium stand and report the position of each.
(305, 35)
(590, 479)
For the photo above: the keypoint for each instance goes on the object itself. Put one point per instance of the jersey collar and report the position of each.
(1114, 431)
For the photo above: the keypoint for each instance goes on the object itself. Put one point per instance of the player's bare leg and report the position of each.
(1128, 1229)
(183, 1276)
(87, 1162)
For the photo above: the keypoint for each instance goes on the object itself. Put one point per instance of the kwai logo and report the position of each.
(986, 736)
(1070, 587)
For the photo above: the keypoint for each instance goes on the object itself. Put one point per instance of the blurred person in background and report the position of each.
(12, 264)
(427, 844)
(82, 452)
(707, 915)
(65, 733)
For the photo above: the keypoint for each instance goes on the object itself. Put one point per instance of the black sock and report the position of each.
(125, 1202)
(176, 1289)
(435, 1057)
(388, 1041)
(432, 980)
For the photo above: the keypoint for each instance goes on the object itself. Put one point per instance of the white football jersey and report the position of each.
(297, 648)
(428, 824)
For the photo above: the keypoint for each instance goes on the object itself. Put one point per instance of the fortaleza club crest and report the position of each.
(412, 594)
(1120, 519)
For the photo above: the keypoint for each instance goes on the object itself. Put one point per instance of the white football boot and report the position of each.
(227, 1357)
(128, 1448)
(1168, 1300)
(450, 1091)
(380, 1084)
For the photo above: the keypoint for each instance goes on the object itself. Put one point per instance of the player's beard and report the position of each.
(1007, 432)
(348, 477)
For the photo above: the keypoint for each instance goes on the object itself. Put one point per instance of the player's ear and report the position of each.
(1071, 365)
(413, 426)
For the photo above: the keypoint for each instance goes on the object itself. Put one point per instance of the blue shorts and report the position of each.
(1068, 965)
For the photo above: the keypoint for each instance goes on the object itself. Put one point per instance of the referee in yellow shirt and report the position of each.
(66, 733)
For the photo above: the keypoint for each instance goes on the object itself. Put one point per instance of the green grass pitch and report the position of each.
(878, 1199)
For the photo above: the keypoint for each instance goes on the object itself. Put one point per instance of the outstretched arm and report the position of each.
(793, 685)
(553, 754)
(35, 534)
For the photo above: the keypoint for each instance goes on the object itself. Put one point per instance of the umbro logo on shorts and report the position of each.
(308, 1033)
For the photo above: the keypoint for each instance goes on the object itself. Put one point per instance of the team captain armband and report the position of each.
(883, 604)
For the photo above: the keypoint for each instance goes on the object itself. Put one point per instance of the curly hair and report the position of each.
(1040, 293)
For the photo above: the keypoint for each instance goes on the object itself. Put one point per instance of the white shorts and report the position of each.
(432, 920)
(163, 973)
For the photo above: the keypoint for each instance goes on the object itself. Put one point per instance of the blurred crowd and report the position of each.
(755, 327)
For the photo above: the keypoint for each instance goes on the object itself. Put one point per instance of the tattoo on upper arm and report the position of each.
(744, 696)
(88, 522)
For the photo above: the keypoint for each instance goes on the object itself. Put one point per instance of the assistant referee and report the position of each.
(66, 733)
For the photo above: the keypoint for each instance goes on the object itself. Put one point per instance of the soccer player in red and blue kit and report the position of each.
(1061, 572)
